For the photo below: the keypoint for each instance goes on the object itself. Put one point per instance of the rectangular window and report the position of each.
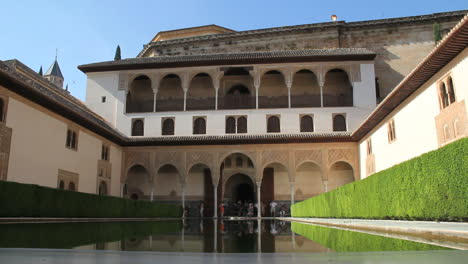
(105, 152)
(72, 139)
(391, 131)
(369, 147)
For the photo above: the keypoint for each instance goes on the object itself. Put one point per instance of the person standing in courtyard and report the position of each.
(273, 205)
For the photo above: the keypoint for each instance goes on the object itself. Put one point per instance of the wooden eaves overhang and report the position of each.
(240, 58)
(445, 51)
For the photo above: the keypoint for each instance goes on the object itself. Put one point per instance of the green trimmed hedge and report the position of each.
(27, 200)
(433, 186)
(348, 241)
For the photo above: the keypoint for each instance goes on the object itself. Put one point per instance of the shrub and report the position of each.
(27, 200)
(429, 187)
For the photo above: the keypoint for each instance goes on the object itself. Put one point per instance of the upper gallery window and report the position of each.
(236, 124)
(339, 123)
(307, 123)
(273, 124)
(199, 126)
(138, 127)
(168, 126)
(104, 152)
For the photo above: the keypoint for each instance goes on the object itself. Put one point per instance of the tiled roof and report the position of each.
(242, 139)
(447, 49)
(306, 28)
(232, 58)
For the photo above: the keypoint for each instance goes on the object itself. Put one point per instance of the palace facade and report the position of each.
(210, 115)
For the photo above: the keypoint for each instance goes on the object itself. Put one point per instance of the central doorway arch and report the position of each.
(239, 187)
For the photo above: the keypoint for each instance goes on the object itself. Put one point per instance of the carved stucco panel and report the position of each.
(280, 156)
(347, 155)
(301, 156)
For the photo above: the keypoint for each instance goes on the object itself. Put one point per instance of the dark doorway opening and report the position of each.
(244, 192)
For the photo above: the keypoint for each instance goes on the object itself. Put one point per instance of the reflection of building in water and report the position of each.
(208, 114)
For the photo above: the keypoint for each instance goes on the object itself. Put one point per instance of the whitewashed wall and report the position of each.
(113, 110)
(38, 149)
(414, 120)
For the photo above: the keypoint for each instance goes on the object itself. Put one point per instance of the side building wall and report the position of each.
(38, 152)
(421, 124)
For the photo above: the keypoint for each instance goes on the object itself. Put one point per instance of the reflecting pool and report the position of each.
(227, 236)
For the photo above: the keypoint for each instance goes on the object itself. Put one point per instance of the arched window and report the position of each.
(339, 123)
(239, 162)
(102, 188)
(227, 163)
(137, 127)
(307, 124)
(443, 96)
(71, 186)
(199, 126)
(451, 91)
(273, 124)
(1, 109)
(61, 185)
(168, 126)
(230, 125)
(242, 125)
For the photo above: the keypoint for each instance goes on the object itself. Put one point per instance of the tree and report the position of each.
(437, 35)
(40, 71)
(117, 54)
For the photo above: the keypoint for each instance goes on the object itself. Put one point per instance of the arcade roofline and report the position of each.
(241, 58)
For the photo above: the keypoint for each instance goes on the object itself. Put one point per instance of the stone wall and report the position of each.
(400, 46)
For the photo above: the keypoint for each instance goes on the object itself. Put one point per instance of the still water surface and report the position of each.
(234, 236)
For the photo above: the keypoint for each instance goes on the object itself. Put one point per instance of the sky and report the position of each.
(87, 31)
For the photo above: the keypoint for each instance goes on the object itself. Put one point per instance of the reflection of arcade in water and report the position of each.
(230, 237)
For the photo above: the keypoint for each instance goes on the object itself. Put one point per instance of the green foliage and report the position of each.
(348, 241)
(117, 53)
(27, 200)
(430, 187)
(72, 235)
(437, 34)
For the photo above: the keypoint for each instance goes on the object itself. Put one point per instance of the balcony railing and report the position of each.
(140, 106)
(305, 100)
(165, 105)
(337, 100)
(201, 104)
(236, 102)
(273, 101)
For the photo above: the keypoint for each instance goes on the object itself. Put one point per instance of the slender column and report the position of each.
(215, 211)
(155, 92)
(259, 235)
(292, 185)
(289, 96)
(215, 247)
(325, 186)
(293, 239)
(216, 99)
(259, 201)
(152, 192)
(183, 235)
(321, 95)
(288, 79)
(183, 196)
(185, 100)
(256, 98)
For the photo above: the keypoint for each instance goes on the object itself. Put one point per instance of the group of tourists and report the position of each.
(240, 209)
